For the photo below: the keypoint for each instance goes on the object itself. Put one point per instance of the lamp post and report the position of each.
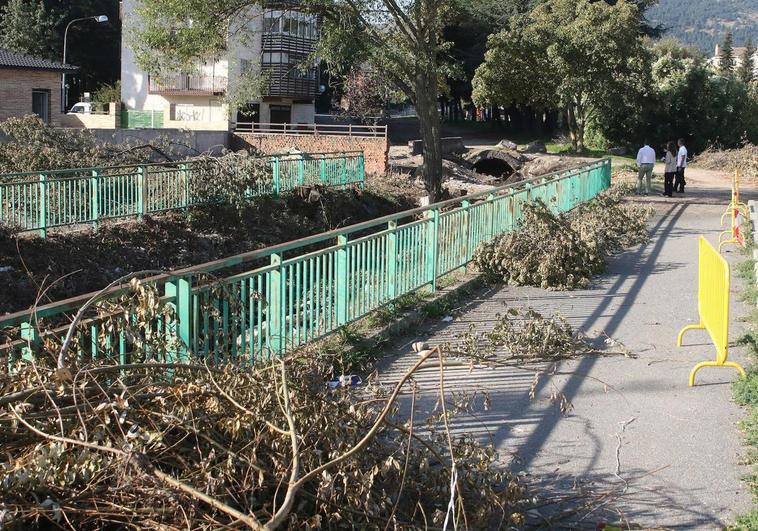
(64, 90)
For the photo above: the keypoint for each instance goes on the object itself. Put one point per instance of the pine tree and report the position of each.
(726, 56)
(27, 26)
(746, 71)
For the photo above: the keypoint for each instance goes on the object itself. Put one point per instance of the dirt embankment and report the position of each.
(75, 263)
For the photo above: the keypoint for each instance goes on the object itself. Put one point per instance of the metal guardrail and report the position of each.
(370, 131)
(43, 200)
(268, 301)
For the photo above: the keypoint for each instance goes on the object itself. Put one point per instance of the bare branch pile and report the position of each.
(162, 444)
(745, 159)
(524, 335)
(563, 252)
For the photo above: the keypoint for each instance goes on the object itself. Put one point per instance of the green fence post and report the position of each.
(392, 260)
(185, 178)
(322, 169)
(362, 170)
(469, 252)
(606, 174)
(43, 205)
(432, 240)
(180, 288)
(301, 171)
(275, 168)
(341, 280)
(491, 214)
(30, 334)
(94, 197)
(275, 307)
(141, 188)
(344, 171)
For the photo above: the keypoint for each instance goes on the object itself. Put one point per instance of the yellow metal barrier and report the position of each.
(714, 280)
(735, 203)
(734, 234)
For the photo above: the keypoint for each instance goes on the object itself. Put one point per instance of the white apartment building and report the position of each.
(278, 41)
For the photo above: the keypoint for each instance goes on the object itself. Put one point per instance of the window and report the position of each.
(290, 23)
(41, 104)
(280, 114)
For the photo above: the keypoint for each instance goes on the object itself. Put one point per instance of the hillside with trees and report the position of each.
(702, 23)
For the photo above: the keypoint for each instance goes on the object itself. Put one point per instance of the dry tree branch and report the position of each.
(289, 497)
(72, 328)
(375, 428)
(407, 459)
(145, 466)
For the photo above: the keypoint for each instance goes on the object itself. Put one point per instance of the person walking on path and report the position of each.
(670, 170)
(646, 163)
(681, 164)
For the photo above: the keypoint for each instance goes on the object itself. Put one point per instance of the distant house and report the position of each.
(30, 84)
(277, 42)
(738, 53)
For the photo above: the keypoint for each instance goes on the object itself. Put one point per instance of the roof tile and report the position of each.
(11, 59)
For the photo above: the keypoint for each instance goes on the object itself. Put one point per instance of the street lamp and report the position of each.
(64, 90)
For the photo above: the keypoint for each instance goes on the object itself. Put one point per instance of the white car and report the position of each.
(82, 107)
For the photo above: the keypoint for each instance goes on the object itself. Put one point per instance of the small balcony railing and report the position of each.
(187, 85)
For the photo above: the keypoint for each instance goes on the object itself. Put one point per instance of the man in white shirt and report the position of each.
(681, 164)
(646, 163)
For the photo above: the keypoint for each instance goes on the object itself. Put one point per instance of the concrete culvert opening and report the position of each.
(495, 167)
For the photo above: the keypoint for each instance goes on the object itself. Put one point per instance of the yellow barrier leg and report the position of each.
(700, 326)
(728, 233)
(724, 215)
(733, 240)
(714, 364)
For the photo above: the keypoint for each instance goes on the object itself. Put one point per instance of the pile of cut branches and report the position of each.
(524, 335)
(745, 159)
(162, 444)
(564, 251)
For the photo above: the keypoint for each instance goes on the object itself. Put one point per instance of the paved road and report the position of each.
(670, 454)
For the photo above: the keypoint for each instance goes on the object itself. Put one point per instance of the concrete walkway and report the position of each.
(639, 447)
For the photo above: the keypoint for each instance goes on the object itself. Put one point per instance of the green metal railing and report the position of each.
(268, 301)
(43, 200)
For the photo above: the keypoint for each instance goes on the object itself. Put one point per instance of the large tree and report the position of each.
(726, 55)
(746, 70)
(401, 39)
(30, 27)
(573, 55)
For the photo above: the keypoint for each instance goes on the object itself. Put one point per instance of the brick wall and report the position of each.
(376, 150)
(16, 87)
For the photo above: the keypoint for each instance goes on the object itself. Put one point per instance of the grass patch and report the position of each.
(746, 393)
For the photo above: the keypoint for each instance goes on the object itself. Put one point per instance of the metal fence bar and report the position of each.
(305, 294)
(34, 201)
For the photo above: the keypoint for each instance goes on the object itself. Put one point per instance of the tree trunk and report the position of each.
(429, 122)
(571, 122)
(580, 126)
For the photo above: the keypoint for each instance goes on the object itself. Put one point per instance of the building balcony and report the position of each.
(280, 42)
(287, 81)
(186, 85)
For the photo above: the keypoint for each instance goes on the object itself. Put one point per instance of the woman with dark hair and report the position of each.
(670, 171)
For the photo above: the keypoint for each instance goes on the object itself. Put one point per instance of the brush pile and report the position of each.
(160, 444)
(745, 159)
(564, 251)
(524, 335)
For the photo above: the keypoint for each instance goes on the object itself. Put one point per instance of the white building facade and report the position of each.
(278, 44)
